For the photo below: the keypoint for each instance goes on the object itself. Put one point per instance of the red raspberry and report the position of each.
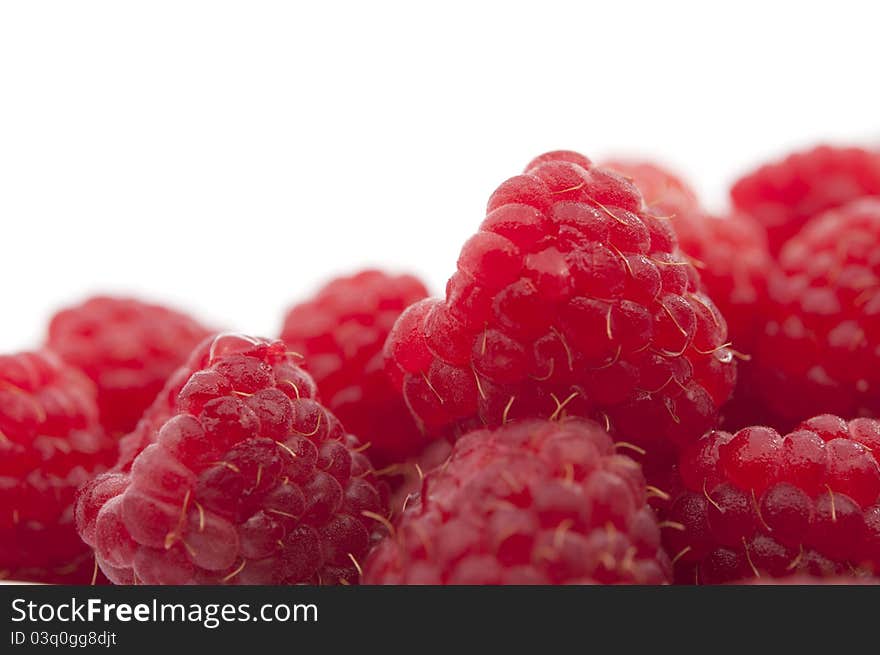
(735, 264)
(812, 581)
(533, 502)
(340, 333)
(819, 350)
(571, 299)
(407, 477)
(735, 267)
(759, 504)
(664, 191)
(129, 348)
(784, 195)
(50, 443)
(249, 481)
(731, 252)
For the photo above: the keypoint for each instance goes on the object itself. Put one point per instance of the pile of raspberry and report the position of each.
(619, 386)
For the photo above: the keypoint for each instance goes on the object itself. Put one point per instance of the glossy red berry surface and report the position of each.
(730, 253)
(50, 443)
(735, 265)
(340, 333)
(249, 480)
(571, 299)
(820, 350)
(532, 502)
(783, 195)
(757, 504)
(128, 348)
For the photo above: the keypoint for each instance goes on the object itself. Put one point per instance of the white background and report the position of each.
(226, 157)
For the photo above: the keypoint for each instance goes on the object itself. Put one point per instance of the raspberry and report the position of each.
(758, 504)
(735, 267)
(818, 352)
(128, 348)
(784, 195)
(663, 190)
(735, 264)
(572, 299)
(340, 333)
(813, 581)
(532, 502)
(50, 443)
(731, 252)
(407, 477)
(249, 480)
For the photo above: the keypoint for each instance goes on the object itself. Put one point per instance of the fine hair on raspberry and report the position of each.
(730, 251)
(531, 502)
(735, 264)
(340, 332)
(758, 504)
(572, 299)
(245, 479)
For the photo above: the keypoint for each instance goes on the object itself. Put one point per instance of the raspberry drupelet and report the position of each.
(50, 443)
(783, 195)
(532, 502)
(128, 348)
(819, 350)
(735, 265)
(730, 252)
(757, 504)
(245, 479)
(340, 333)
(571, 299)
(662, 190)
